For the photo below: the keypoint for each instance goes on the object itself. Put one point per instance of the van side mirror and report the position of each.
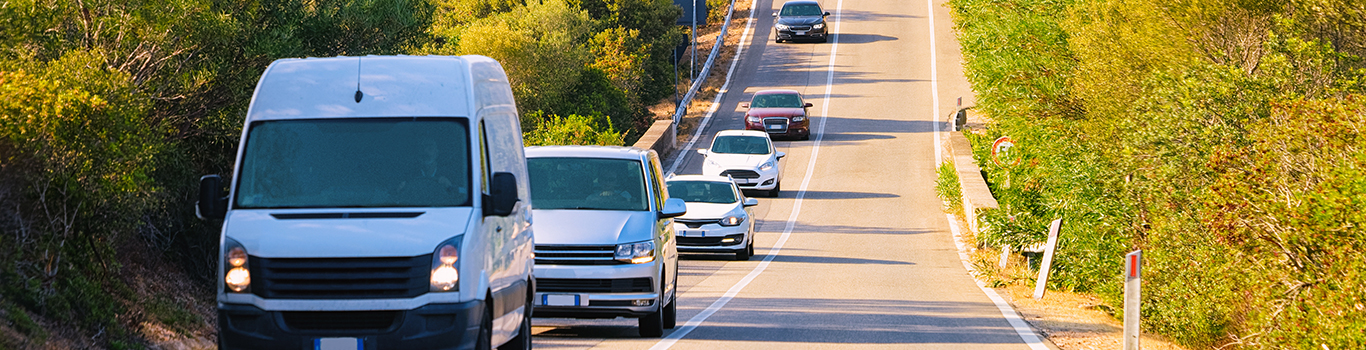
(673, 207)
(749, 202)
(212, 203)
(502, 195)
(808, 104)
(781, 155)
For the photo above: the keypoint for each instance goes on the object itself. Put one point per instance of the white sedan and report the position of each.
(718, 218)
(748, 157)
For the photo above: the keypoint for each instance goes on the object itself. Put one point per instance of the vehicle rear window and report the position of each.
(354, 162)
(587, 184)
(776, 101)
(740, 145)
(702, 191)
(800, 10)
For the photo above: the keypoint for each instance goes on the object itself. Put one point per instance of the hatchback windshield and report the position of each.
(776, 101)
(801, 10)
(702, 191)
(740, 145)
(587, 183)
(353, 163)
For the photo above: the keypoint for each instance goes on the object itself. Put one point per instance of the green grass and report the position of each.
(173, 315)
(19, 319)
(949, 189)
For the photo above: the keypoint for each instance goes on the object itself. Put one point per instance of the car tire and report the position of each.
(652, 325)
(751, 248)
(825, 39)
(778, 187)
(485, 340)
(778, 41)
(671, 311)
(806, 137)
(743, 254)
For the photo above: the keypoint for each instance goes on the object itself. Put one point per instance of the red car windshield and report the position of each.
(776, 101)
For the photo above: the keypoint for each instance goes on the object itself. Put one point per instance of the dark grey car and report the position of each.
(800, 20)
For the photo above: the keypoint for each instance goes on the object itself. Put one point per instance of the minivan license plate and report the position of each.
(561, 300)
(337, 344)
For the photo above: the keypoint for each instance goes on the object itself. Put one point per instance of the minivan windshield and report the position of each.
(702, 191)
(801, 10)
(776, 101)
(587, 183)
(356, 163)
(740, 145)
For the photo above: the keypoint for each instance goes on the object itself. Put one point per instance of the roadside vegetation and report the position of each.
(1224, 138)
(110, 110)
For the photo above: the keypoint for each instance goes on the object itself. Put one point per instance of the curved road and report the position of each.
(868, 258)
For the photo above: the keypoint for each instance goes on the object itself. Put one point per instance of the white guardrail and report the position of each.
(706, 67)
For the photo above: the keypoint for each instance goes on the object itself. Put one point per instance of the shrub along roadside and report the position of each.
(1222, 137)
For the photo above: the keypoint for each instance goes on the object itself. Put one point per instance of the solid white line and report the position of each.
(725, 87)
(1026, 333)
(934, 91)
(734, 290)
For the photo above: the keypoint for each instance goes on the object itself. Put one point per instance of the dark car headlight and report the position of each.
(779, 26)
(818, 26)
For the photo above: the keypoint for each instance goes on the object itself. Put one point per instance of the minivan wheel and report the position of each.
(652, 325)
(751, 247)
(523, 339)
(671, 312)
(485, 341)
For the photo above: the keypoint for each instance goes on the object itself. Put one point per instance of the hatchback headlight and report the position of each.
(446, 266)
(732, 220)
(767, 165)
(780, 26)
(236, 274)
(636, 253)
(818, 26)
(798, 119)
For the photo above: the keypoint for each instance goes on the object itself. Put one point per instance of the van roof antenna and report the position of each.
(359, 95)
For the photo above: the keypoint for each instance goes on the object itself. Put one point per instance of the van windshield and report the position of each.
(702, 191)
(587, 184)
(356, 163)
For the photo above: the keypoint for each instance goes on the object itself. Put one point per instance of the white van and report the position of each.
(376, 202)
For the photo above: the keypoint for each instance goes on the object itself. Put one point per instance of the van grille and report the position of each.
(576, 255)
(593, 285)
(352, 321)
(340, 278)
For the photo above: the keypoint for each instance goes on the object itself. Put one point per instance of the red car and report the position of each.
(781, 113)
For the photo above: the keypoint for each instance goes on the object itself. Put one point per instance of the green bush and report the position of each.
(571, 130)
(948, 188)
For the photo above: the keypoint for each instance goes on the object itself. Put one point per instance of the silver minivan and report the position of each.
(376, 203)
(605, 245)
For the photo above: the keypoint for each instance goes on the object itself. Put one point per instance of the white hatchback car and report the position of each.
(718, 218)
(748, 157)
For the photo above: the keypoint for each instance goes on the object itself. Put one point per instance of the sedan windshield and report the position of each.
(800, 10)
(740, 145)
(353, 163)
(776, 101)
(703, 191)
(587, 183)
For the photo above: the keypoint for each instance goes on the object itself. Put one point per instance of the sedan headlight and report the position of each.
(752, 119)
(236, 274)
(818, 26)
(767, 165)
(798, 119)
(446, 266)
(732, 220)
(636, 253)
(780, 26)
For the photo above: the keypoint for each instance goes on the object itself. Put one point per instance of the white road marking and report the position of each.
(934, 91)
(1026, 333)
(734, 290)
(716, 103)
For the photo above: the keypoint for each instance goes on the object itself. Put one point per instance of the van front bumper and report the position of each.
(587, 284)
(434, 326)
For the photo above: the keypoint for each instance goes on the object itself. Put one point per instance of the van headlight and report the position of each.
(767, 165)
(446, 266)
(236, 273)
(636, 253)
(732, 220)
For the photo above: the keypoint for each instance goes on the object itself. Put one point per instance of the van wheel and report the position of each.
(671, 311)
(523, 339)
(652, 325)
(485, 340)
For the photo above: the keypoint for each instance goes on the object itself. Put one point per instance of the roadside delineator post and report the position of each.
(1047, 258)
(1005, 256)
(1132, 290)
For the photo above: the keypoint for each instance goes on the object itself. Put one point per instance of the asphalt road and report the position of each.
(856, 251)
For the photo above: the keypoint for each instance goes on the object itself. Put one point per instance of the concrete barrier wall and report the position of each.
(977, 197)
(661, 137)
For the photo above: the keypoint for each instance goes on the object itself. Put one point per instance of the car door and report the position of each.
(663, 227)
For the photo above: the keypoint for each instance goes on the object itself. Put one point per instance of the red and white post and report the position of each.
(1133, 273)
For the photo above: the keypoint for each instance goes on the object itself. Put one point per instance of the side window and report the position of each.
(658, 182)
(484, 168)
